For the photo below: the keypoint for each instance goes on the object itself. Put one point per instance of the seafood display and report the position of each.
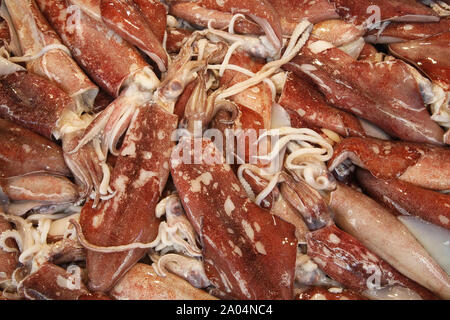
(204, 150)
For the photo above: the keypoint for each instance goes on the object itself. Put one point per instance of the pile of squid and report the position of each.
(232, 149)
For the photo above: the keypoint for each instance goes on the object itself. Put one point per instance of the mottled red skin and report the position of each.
(401, 32)
(108, 71)
(368, 52)
(254, 109)
(423, 165)
(298, 122)
(356, 11)
(374, 154)
(430, 55)
(8, 260)
(259, 101)
(126, 19)
(302, 97)
(258, 8)
(315, 292)
(143, 283)
(44, 284)
(155, 14)
(307, 202)
(43, 155)
(382, 233)
(245, 125)
(383, 93)
(57, 66)
(33, 102)
(407, 199)
(352, 264)
(130, 216)
(40, 187)
(188, 11)
(293, 11)
(337, 32)
(175, 39)
(261, 275)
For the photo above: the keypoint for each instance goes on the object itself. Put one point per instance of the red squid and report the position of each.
(240, 260)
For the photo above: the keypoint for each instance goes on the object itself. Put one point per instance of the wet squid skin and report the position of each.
(128, 20)
(430, 55)
(346, 260)
(380, 231)
(397, 10)
(142, 283)
(423, 165)
(25, 180)
(22, 91)
(261, 11)
(248, 253)
(241, 260)
(320, 293)
(88, 44)
(402, 32)
(23, 151)
(293, 11)
(301, 97)
(383, 93)
(51, 282)
(397, 172)
(35, 35)
(396, 195)
(138, 178)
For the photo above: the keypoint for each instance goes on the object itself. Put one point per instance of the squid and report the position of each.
(21, 90)
(293, 11)
(135, 21)
(423, 165)
(430, 55)
(27, 182)
(44, 53)
(301, 98)
(124, 74)
(379, 231)
(396, 195)
(341, 34)
(385, 93)
(346, 260)
(360, 12)
(52, 282)
(239, 260)
(72, 91)
(402, 32)
(262, 12)
(138, 178)
(256, 149)
(142, 283)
